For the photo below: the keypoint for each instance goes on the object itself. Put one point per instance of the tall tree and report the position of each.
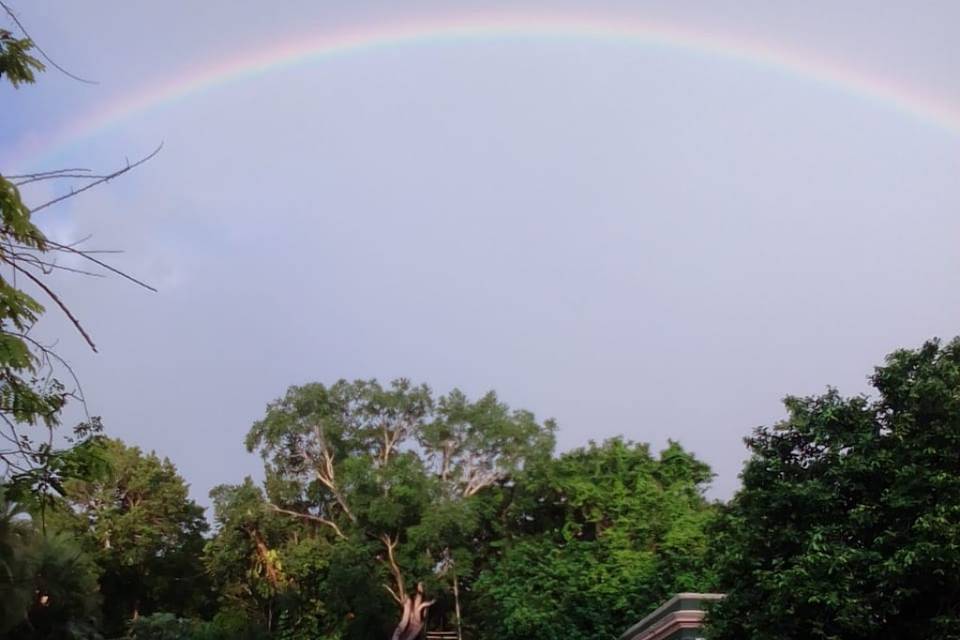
(394, 476)
(848, 523)
(144, 532)
(595, 539)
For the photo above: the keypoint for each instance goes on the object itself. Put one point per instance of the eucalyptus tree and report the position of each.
(394, 477)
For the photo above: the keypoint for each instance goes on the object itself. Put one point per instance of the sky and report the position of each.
(649, 241)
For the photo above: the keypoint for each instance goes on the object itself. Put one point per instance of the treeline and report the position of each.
(387, 509)
(381, 504)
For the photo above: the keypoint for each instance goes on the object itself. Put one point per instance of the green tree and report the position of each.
(388, 486)
(16, 582)
(66, 602)
(595, 540)
(145, 533)
(48, 585)
(848, 522)
(242, 559)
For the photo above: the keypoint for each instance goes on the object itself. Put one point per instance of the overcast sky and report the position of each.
(633, 240)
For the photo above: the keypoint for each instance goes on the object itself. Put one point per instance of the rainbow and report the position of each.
(507, 25)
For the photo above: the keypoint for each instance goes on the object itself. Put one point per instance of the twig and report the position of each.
(58, 176)
(43, 53)
(99, 181)
(86, 254)
(46, 173)
(50, 353)
(53, 296)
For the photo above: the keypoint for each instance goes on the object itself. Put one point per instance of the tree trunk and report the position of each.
(413, 616)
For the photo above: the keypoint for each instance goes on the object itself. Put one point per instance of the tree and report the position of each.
(595, 540)
(32, 394)
(66, 601)
(242, 558)
(48, 585)
(848, 522)
(390, 480)
(145, 533)
(16, 583)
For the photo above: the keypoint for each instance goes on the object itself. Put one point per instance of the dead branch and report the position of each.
(59, 176)
(99, 181)
(37, 174)
(86, 255)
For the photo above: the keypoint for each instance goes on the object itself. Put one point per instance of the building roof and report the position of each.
(682, 613)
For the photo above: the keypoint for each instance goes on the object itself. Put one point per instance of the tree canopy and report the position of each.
(392, 479)
(848, 522)
(137, 522)
(388, 509)
(596, 539)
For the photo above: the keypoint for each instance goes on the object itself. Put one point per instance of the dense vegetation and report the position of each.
(848, 522)
(387, 509)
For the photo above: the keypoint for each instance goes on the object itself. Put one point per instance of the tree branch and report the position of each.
(43, 53)
(59, 176)
(99, 181)
(87, 256)
(391, 544)
(56, 299)
(311, 517)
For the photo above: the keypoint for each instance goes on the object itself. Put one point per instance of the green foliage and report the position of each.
(848, 522)
(66, 599)
(16, 568)
(31, 395)
(167, 626)
(162, 626)
(241, 556)
(144, 532)
(48, 585)
(383, 487)
(16, 63)
(597, 539)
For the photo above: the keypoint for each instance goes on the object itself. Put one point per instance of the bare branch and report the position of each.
(53, 296)
(46, 267)
(394, 594)
(313, 518)
(43, 53)
(50, 353)
(59, 176)
(86, 255)
(39, 174)
(99, 181)
(426, 604)
(391, 544)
